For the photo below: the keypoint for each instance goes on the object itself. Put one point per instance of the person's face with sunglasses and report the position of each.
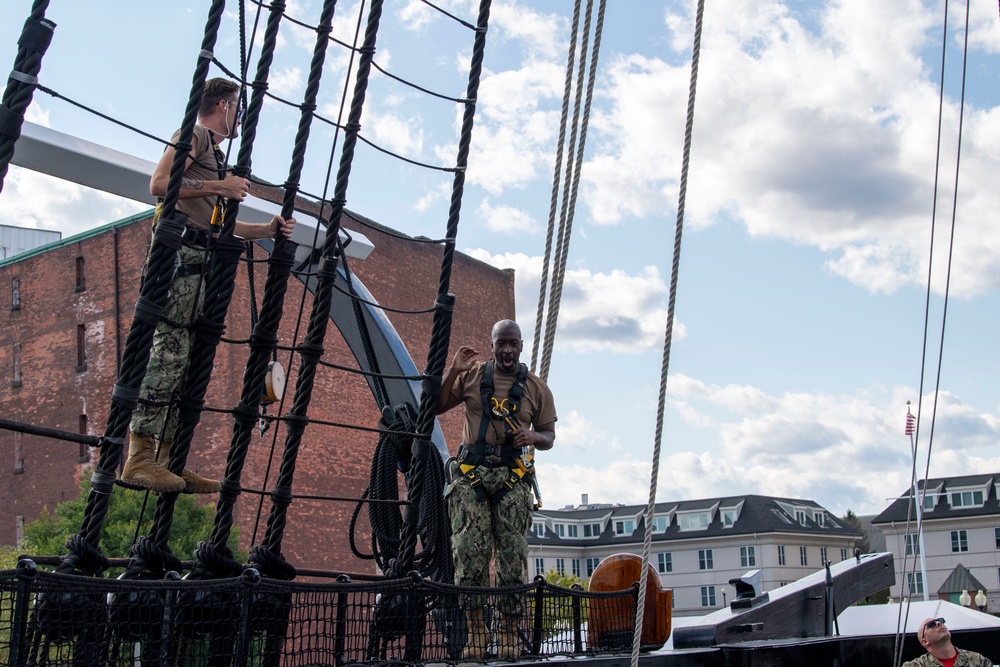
(933, 630)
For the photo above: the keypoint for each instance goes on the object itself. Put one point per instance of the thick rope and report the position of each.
(668, 334)
(543, 284)
(31, 46)
(153, 296)
(573, 185)
(319, 318)
(219, 292)
(423, 453)
(265, 336)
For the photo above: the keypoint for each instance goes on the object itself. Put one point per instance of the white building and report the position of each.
(697, 545)
(961, 539)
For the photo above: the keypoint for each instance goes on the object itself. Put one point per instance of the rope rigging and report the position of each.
(915, 437)
(151, 556)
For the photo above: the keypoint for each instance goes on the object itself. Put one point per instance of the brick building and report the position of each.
(67, 307)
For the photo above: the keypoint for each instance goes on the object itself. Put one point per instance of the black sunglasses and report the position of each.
(933, 623)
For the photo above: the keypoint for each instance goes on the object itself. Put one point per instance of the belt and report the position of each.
(492, 464)
(196, 237)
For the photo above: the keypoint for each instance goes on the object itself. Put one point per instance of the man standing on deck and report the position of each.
(934, 635)
(205, 188)
(508, 410)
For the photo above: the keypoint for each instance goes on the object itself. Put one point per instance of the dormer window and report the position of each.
(820, 519)
(967, 499)
(624, 527)
(800, 517)
(591, 529)
(538, 529)
(693, 521)
(929, 502)
(728, 518)
(660, 524)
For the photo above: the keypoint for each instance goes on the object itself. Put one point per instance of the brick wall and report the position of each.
(55, 391)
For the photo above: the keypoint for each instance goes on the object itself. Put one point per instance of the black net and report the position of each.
(58, 619)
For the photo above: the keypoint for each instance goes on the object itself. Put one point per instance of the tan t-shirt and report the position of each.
(203, 168)
(537, 404)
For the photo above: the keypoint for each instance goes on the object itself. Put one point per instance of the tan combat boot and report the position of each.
(478, 635)
(142, 471)
(193, 482)
(508, 641)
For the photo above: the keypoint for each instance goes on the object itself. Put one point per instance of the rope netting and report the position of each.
(255, 612)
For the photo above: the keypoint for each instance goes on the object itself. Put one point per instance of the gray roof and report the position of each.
(960, 580)
(897, 511)
(758, 514)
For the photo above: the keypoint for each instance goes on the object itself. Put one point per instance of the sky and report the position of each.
(802, 297)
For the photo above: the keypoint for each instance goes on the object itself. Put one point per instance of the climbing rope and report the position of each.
(669, 333)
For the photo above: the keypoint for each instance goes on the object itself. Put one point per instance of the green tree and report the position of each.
(192, 522)
(557, 612)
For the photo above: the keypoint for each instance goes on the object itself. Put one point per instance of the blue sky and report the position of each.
(800, 310)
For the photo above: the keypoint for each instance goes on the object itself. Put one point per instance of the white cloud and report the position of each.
(285, 81)
(614, 311)
(507, 219)
(403, 136)
(34, 200)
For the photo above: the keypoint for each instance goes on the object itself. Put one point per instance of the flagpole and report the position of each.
(918, 501)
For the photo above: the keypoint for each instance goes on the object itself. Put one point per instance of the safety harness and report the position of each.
(472, 457)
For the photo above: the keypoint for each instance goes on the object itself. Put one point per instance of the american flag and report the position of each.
(911, 423)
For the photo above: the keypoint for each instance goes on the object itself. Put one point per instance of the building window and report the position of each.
(15, 380)
(539, 567)
(18, 453)
(708, 596)
(915, 583)
(576, 567)
(561, 530)
(538, 529)
(698, 521)
(80, 284)
(665, 562)
(19, 531)
(820, 519)
(912, 545)
(660, 524)
(592, 564)
(823, 560)
(81, 347)
(625, 527)
(928, 502)
(591, 530)
(705, 560)
(748, 556)
(728, 518)
(800, 517)
(967, 499)
(959, 541)
(843, 553)
(803, 558)
(572, 531)
(781, 554)
(15, 294)
(996, 537)
(561, 566)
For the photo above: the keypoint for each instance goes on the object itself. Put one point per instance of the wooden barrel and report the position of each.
(611, 622)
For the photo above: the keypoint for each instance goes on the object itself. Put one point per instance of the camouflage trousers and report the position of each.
(169, 356)
(483, 529)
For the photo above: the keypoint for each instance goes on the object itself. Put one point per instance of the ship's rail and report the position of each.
(55, 619)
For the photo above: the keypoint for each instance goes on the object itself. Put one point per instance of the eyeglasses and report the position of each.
(930, 625)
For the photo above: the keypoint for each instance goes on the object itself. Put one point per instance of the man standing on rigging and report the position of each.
(507, 411)
(205, 187)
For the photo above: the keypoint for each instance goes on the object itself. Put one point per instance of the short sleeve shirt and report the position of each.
(204, 167)
(537, 405)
